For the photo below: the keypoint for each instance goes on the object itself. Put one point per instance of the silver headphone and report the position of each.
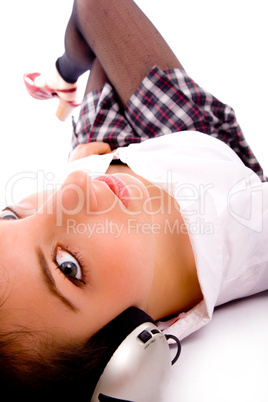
(139, 360)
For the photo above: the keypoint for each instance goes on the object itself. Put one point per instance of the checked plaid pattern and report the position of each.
(164, 103)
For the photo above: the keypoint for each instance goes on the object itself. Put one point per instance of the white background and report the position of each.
(223, 46)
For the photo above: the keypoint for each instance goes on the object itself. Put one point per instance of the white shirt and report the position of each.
(225, 209)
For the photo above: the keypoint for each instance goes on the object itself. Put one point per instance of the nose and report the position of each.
(77, 194)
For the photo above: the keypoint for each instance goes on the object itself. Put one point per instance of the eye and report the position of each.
(8, 214)
(68, 265)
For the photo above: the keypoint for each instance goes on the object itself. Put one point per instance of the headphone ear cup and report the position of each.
(107, 340)
(139, 366)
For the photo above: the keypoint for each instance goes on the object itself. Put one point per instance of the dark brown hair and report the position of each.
(64, 372)
(60, 371)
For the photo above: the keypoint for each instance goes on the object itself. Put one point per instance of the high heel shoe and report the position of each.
(66, 106)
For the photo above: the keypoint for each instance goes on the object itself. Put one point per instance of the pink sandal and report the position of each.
(65, 106)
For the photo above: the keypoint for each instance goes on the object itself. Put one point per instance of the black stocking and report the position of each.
(78, 56)
(123, 39)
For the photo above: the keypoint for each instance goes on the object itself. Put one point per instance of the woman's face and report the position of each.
(81, 259)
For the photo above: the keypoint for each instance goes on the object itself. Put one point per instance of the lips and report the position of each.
(117, 186)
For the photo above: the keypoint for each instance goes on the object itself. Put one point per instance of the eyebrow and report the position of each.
(50, 282)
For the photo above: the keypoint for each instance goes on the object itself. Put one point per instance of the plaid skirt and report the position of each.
(164, 103)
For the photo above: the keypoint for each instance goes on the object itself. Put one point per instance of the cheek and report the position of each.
(126, 270)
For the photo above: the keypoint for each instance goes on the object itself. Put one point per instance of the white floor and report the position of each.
(223, 46)
(226, 361)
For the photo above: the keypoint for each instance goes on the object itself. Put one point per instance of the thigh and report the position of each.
(125, 41)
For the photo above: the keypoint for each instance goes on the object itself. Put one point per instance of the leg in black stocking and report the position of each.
(122, 38)
(78, 56)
